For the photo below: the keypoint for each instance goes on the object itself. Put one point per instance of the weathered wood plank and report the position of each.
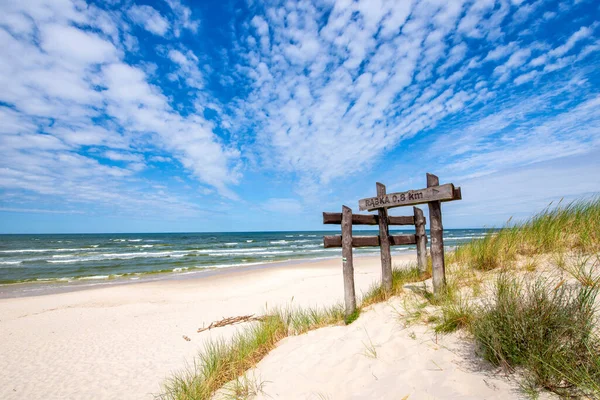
(457, 194)
(398, 240)
(436, 231)
(421, 239)
(412, 197)
(384, 243)
(368, 241)
(330, 218)
(347, 262)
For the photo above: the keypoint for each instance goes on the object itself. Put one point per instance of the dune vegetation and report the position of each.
(526, 294)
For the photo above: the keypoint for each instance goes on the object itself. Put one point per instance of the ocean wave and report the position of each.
(279, 242)
(48, 250)
(93, 277)
(251, 253)
(231, 244)
(10, 262)
(211, 251)
(249, 241)
(123, 256)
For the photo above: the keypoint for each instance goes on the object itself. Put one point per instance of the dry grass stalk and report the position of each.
(231, 321)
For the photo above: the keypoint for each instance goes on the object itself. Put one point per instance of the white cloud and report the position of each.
(187, 68)
(527, 77)
(149, 18)
(184, 19)
(122, 156)
(582, 33)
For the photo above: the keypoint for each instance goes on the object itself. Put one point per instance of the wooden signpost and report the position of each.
(434, 194)
(347, 241)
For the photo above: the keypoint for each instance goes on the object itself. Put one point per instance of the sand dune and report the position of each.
(377, 358)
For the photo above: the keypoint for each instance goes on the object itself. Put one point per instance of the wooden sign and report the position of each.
(438, 193)
(433, 195)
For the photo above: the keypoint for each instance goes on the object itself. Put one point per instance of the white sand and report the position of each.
(121, 342)
(377, 358)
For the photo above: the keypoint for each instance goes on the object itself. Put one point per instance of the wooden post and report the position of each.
(437, 239)
(421, 239)
(348, 266)
(384, 233)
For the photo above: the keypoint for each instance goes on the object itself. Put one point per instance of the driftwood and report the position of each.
(231, 321)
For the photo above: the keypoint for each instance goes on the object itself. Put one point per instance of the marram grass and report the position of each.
(545, 328)
(571, 227)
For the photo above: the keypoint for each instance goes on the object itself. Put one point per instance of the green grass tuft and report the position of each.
(352, 317)
(545, 328)
(456, 314)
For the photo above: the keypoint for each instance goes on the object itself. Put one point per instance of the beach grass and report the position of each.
(571, 227)
(546, 327)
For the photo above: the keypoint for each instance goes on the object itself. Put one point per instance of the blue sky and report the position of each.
(224, 115)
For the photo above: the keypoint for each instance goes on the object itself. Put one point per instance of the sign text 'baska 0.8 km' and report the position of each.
(437, 193)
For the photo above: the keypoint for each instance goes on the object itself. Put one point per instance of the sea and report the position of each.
(72, 258)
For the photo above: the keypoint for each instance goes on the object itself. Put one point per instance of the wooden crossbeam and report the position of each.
(368, 241)
(457, 194)
(332, 218)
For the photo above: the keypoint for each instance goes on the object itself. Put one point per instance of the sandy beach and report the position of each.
(123, 341)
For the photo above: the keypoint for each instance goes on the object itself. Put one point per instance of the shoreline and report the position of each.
(123, 341)
(42, 288)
